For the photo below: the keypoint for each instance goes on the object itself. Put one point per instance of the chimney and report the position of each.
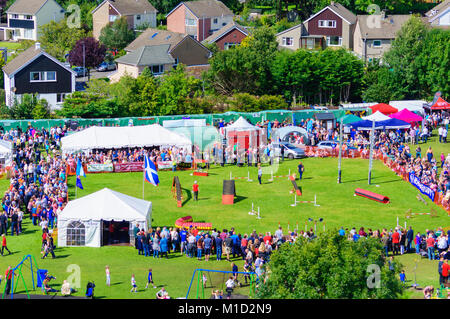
(37, 46)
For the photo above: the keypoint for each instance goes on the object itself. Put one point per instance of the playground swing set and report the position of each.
(17, 270)
(201, 283)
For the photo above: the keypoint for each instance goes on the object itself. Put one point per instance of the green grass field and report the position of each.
(338, 207)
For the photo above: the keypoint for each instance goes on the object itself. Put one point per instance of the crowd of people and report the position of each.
(38, 188)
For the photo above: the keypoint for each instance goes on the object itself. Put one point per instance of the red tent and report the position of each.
(384, 108)
(441, 104)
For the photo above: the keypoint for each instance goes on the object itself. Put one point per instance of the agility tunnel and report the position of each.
(188, 222)
(373, 196)
(229, 191)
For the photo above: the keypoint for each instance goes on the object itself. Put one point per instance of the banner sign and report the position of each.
(129, 167)
(165, 165)
(97, 168)
(424, 189)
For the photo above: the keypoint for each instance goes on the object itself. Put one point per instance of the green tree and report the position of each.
(24, 109)
(329, 266)
(402, 56)
(245, 68)
(41, 110)
(175, 88)
(433, 63)
(118, 35)
(381, 84)
(57, 38)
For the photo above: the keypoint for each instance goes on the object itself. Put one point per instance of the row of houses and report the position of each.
(369, 36)
(190, 26)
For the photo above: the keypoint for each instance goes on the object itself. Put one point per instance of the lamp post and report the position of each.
(372, 137)
(340, 152)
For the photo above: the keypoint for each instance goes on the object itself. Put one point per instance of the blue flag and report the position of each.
(79, 185)
(150, 173)
(80, 170)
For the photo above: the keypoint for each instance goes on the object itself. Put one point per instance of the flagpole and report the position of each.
(143, 181)
(76, 190)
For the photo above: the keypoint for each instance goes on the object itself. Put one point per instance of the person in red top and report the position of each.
(445, 271)
(4, 245)
(8, 276)
(244, 243)
(267, 239)
(430, 247)
(396, 242)
(195, 190)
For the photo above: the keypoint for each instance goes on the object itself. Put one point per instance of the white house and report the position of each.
(25, 17)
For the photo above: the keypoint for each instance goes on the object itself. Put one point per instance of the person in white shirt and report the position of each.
(230, 285)
(440, 132)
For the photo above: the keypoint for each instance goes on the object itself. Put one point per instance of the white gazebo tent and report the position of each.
(376, 117)
(244, 136)
(81, 221)
(104, 137)
(410, 105)
(5, 153)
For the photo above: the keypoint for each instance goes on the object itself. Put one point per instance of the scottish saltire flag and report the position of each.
(78, 184)
(80, 170)
(150, 173)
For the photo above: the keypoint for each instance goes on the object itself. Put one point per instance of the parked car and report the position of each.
(80, 86)
(106, 66)
(80, 71)
(290, 151)
(333, 144)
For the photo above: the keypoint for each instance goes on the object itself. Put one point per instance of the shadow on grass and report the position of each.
(189, 196)
(238, 198)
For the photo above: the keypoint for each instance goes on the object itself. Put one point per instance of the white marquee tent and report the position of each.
(6, 152)
(80, 223)
(241, 124)
(410, 105)
(98, 137)
(376, 117)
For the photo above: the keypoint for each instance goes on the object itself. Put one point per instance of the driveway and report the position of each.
(95, 75)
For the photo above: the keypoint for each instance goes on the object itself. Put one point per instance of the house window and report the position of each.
(157, 69)
(229, 45)
(138, 17)
(28, 33)
(112, 18)
(215, 20)
(28, 17)
(15, 16)
(327, 23)
(75, 234)
(376, 43)
(60, 97)
(334, 41)
(49, 76)
(191, 22)
(287, 41)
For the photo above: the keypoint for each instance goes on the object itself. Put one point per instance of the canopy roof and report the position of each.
(241, 124)
(107, 204)
(387, 124)
(349, 118)
(5, 148)
(384, 108)
(407, 116)
(377, 117)
(441, 104)
(285, 130)
(412, 105)
(98, 137)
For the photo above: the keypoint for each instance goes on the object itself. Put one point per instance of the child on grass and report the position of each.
(133, 284)
(108, 276)
(150, 279)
